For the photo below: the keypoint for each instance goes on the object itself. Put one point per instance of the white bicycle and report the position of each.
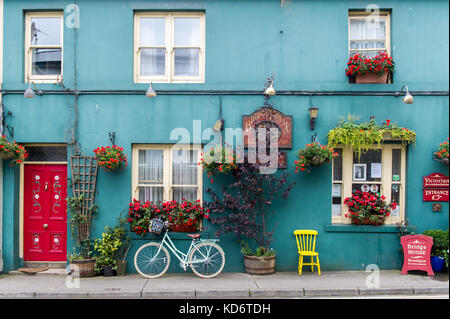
(205, 257)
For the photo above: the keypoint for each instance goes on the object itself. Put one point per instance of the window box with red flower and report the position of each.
(376, 70)
(442, 154)
(111, 158)
(367, 208)
(313, 154)
(186, 216)
(12, 150)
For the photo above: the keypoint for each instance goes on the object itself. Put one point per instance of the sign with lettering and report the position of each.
(435, 188)
(435, 195)
(264, 117)
(416, 253)
(435, 180)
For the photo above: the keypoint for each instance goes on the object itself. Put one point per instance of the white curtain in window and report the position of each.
(184, 172)
(151, 170)
(368, 34)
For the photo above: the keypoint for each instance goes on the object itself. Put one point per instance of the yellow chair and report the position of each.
(306, 243)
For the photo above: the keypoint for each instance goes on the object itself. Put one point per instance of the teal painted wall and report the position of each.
(310, 54)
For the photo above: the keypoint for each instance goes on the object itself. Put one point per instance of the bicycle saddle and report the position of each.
(194, 236)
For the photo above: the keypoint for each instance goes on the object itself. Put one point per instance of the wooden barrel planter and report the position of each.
(259, 265)
(85, 268)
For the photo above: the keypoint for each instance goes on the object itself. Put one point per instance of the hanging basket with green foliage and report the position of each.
(362, 137)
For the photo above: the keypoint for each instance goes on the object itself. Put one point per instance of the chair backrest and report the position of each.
(306, 239)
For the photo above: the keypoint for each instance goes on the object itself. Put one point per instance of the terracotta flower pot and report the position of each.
(371, 78)
(259, 265)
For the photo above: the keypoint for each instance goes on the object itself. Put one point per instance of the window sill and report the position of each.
(347, 228)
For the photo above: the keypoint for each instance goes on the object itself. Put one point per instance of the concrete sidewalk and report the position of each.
(227, 285)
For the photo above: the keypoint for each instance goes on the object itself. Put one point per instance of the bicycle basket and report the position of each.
(156, 226)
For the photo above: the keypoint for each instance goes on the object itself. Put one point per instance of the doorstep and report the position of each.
(48, 272)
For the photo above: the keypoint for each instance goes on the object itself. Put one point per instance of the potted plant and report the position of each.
(363, 136)
(218, 160)
(313, 154)
(12, 150)
(107, 248)
(111, 158)
(439, 251)
(442, 154)
(243, 210)
(366, 208)
(370, 70)
(80, 225)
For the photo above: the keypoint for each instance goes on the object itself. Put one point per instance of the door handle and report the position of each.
(45, 226)
(46, 185)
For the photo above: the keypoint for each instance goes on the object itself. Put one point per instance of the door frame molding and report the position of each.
(22, 190)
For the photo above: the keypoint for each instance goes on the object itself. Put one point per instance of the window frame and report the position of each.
(386, 15)
(29, 77)
(169, 76)
(167, 184)
(386, 181)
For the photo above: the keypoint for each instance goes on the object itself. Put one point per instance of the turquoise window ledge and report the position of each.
(366, 229)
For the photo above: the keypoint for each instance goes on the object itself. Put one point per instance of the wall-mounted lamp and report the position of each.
(150, 91)
(270, 90)
(313, 110)
(408, 98)
(218, 126)
(29, 93)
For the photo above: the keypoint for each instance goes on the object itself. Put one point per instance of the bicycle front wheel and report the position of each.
(207, 260)
(149, 263)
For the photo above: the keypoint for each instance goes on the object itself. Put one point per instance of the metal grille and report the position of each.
(46, 153)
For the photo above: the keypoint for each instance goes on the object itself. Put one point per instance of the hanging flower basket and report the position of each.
(111, 158)
(218, 160)
(442, 154)
(12, 150)
(313, 154)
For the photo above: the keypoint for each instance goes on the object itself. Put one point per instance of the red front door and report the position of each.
(45, 212)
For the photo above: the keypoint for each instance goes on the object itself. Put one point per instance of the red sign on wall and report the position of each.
(435, 180)
(416, 252)
(435, 188)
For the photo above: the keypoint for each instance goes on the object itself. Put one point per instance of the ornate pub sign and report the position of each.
(268, 117)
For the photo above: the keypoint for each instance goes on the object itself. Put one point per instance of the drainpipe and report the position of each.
(1, 133)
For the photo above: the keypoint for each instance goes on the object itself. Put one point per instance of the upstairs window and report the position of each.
(43, 47)
(169, 47)
(369, 33)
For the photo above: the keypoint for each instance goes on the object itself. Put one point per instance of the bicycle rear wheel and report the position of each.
(207, 260)
(149, 263)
